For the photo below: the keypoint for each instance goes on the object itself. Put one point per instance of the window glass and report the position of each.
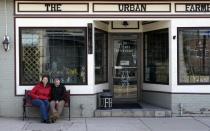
(101, 59)
(193, 55)
(156, 56)
(58, 52)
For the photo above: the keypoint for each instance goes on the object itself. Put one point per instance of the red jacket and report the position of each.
(41, 92)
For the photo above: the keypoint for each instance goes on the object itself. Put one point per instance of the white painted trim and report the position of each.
(55, 22)
(193, 22)
(157, 26)
(101, 87)
(91, 88)
(156, 87)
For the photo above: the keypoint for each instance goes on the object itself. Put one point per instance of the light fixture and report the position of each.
(174, 37)
(125, 23)
(6, 37)
(6, 43)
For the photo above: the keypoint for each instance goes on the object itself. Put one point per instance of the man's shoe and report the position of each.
(56, 115)
(52, 121)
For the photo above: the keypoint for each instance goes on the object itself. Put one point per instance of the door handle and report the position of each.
(118, 67)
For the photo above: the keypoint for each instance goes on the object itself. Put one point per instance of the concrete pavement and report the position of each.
(109, 124)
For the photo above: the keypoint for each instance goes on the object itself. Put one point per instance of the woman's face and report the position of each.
(45, 80)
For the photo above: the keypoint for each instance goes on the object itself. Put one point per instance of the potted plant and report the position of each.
(73, 73)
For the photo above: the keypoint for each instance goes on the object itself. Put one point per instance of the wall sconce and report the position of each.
(6, 37)
(174, 37)
(6, 43)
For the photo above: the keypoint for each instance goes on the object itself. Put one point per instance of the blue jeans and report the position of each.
(43, 107)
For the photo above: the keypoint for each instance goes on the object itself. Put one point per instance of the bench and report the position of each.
(27, 102)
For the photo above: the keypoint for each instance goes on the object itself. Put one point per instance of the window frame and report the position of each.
(44, 27)
(178, 63)
(144, 58)
(106, 55)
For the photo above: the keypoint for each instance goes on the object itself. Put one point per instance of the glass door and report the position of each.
(125, 69)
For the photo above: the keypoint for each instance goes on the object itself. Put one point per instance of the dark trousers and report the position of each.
(43, 107)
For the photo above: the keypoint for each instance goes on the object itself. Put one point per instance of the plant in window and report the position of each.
(73, 73)
(82, 74)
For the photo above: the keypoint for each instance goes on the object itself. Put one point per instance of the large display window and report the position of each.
(193, 55)
(156, 52)
(101, 56)
(58, 52)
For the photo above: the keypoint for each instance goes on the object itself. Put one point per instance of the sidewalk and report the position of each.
(109, 124)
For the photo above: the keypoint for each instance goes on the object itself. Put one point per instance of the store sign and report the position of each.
(192, 7)
(131, 7)
(53, 7)
(67, 7)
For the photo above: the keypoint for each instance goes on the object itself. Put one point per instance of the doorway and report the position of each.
(125, 74)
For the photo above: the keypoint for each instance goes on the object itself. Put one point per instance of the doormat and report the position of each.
(126, 106)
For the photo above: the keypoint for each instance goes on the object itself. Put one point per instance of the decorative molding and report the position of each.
(109, 8)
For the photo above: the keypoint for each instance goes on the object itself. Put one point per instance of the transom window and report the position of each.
(58, 52)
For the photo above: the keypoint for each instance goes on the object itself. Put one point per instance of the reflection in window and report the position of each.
(156, 56)
(101, 59)
(57, 52)
(194, 61)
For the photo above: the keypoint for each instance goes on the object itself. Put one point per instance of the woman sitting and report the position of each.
(40, 97)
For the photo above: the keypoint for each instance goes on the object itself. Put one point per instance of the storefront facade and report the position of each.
(153, 52)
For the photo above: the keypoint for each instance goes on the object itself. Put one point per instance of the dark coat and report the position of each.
(58, 93)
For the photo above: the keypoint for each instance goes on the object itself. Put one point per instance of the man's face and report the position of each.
(57, 82)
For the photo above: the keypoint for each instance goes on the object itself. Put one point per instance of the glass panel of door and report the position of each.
(125, 69)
